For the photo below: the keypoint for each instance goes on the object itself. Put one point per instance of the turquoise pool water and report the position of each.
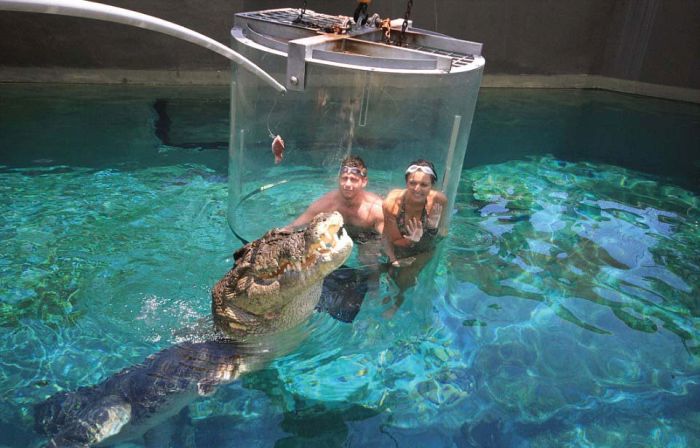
(565, 309)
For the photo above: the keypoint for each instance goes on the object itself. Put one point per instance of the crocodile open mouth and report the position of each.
(330, 238)
(330, 241)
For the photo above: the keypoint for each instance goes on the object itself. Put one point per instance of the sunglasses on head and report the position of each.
(352, 170)
(423, 169)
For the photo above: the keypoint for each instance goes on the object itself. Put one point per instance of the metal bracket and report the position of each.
(298, 52)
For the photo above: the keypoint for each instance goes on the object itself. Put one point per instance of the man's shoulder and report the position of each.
(372, 197)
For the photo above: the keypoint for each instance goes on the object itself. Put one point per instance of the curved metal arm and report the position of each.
(98, 11)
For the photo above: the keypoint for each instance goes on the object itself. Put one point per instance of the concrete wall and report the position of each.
(650, 41)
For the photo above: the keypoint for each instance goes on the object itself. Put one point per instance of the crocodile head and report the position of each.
(276, 280)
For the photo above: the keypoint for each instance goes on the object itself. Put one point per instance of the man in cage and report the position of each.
(344, 290)
(361, 209)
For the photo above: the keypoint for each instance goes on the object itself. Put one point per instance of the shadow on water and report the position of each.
(124, 127)
(306, 422)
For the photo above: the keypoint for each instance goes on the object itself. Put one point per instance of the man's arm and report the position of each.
(378, 216)
(318, 206)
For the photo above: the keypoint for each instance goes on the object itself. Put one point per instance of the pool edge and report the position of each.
(60, 75)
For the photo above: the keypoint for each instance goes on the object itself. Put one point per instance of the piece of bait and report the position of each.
(278, 149)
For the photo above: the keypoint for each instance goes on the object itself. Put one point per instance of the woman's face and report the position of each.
(418, 185)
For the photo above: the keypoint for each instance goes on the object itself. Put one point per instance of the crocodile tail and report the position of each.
(82, 418)
(49, 415)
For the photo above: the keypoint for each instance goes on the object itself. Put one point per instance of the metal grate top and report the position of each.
(458, 59)
(310, 20)
(461, 55)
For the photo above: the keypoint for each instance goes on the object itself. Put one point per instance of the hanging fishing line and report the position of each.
(268, 118)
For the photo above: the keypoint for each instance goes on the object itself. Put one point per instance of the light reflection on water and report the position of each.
(564, 310)
(610, 327)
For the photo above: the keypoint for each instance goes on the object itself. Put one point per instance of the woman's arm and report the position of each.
(391, 227)
(389, 250)
(439, 206)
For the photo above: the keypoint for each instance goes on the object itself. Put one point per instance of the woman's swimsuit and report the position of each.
(426, 242)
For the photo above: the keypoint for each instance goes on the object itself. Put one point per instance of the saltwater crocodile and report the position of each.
(273, 287)
(277, 280)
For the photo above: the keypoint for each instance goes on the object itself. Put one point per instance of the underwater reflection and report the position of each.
(561, 242)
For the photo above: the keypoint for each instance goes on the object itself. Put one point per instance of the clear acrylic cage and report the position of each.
(351, 90)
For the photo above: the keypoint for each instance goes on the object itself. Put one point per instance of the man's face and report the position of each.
(351, 184)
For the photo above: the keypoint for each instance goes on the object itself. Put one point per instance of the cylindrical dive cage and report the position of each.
(374, 91)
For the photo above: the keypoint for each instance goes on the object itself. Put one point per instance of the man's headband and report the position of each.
(362, 172)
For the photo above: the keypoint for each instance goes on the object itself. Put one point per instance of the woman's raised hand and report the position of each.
(434, 217)
(414, 229)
